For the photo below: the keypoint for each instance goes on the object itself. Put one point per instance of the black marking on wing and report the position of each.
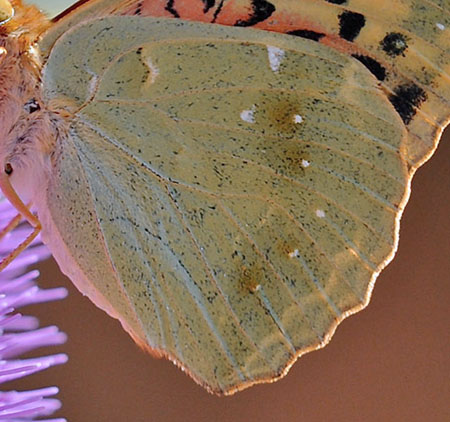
(218, 10)
(350, 25)
(337, 1)
(406, 99)
(374, 66)
(169, 7)
(394, 44)
(262, 9)
(208, 4)
(305, 33)
(138, 9)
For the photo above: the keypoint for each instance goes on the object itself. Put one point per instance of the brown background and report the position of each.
(388, 363)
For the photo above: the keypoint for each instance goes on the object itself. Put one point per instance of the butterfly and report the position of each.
(226, 178)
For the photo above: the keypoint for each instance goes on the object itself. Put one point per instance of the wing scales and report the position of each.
(248, 238)
(184, 281)
(422, 65)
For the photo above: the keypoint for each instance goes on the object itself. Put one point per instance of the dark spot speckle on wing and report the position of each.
(406, 98)
(305, 33)
(350, 25)
(261, 10)
(171, 8)
(374, 67)
(208, 4)
(394, 44)
(138, 9)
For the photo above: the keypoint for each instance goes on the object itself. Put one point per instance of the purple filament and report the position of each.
(21, 334)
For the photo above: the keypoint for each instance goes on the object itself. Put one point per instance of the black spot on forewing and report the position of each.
(394, 44)
(374, 67)
(208, 4)
(305, 33)
(170, 8)
(350, 25)
(337, 1)
(261, 10)
(406, 99)
(138, 9)
(218, 11)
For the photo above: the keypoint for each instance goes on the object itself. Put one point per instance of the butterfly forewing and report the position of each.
(215, 194)
(403, 43)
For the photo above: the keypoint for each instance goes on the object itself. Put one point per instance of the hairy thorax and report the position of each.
(28, 130)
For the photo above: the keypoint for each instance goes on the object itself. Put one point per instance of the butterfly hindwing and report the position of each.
(229, 184)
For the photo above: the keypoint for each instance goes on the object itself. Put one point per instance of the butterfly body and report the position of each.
(229, 194)
(27, 128)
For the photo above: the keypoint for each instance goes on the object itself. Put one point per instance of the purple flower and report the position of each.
(21, 334)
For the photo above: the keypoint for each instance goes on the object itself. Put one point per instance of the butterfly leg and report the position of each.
(24, 211)
(10, 226)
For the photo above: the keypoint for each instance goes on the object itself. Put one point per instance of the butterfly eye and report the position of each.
(8, 169)
(6, 11)
(32, 106)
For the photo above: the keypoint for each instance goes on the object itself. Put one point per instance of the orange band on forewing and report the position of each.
(16, 202)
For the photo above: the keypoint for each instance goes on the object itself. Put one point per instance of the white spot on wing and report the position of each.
(440, 26)
(93, 84)
(154, 71)
(298, 118)
(305, 163)
(276, 56)
(249, 115)
(294, 254)
(320, 213)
